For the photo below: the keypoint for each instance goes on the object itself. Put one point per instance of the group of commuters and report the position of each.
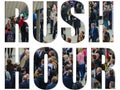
(23, 68)
(51, 22)
(80, 68)
(72, 20)
(95, 18)
(39, 68)
(97, 67)
(10, 31)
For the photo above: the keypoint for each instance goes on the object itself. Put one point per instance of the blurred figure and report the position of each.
(53, 83)
(68, 40)
(24, 29)
(81, 36)
(52, 16)
(106, 35)
(25, 82)
(93, 33)
(81, 62)
(112, 85)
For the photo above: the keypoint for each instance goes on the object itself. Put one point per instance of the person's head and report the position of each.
(95, 4)
(66, 68)
(92, 25)
(51, 53)
(15, 66)
(23, 18)
(15, 19)
(54, 59)
(111, 61)
(55, 7)
(96, 84)
(80, 50)
(39, 70)
(97, 55)
(106, 38)
(9, 21)
(93, 57)
(65, 57)
(105, 8)
(25, 77)
(19, 68)
(9, 61)
(41, 49)
(68, 40)
(104, 29)
(99, 70)
(50, 60)
(111, 85)
(78, 4)
(69, 73)
(111, 73)
(82, 33)
(23, 70)
(37, 73)
(54, 79)
(26, 49)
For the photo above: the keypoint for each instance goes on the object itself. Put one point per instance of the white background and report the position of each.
(59, 43)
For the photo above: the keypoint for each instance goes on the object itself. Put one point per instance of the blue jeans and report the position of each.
(82, 70)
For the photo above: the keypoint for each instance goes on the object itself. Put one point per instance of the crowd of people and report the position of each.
(39, 68)
(72, 20)
(10, 30)
(97, 67)
(11, 68)
(94, 18)
(51, 21)
(80, 68)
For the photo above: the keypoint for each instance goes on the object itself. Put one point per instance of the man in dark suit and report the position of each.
(93, 33)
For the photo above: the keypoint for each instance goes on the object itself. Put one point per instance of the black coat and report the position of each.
(99, 77)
